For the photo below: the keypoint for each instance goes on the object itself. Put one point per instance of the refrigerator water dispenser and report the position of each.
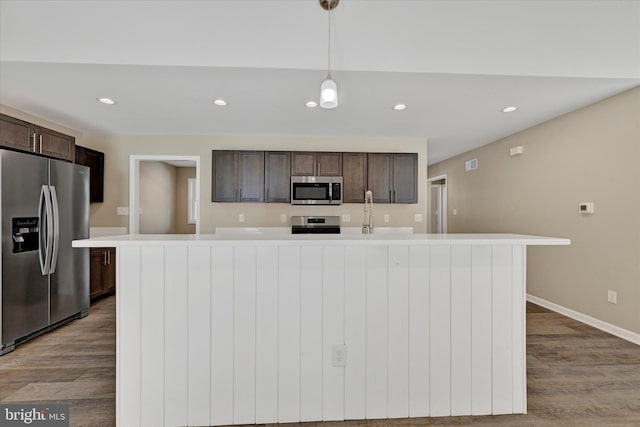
(25, 234)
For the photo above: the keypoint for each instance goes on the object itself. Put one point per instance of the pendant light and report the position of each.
(329, 88)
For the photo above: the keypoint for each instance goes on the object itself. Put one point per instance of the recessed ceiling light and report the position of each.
(311, 104)
(220, 102)
(509, 109)
(106, 101)
(399, 107)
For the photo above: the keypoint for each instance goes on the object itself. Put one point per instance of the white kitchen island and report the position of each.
(242, 329)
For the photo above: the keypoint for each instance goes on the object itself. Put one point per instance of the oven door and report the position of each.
(310, 193)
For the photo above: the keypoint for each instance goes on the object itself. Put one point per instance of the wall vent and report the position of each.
(470, 165)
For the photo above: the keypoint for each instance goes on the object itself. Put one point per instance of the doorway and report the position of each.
(438, 204)
(157, 198)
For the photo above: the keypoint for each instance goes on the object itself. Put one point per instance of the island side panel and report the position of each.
(199, 336)
(311, 333)
(333, 332)
(267, 334)
(419, 276)
(128, 332)
(518, 283)
(289, 334)
(481, 330)
(440, 332)
(152, 343)
(244, 335)
(398, 348)
(376, 332)
(461, 330)
(355, 277)
(221, 332)
(502, 344)
(175, 337)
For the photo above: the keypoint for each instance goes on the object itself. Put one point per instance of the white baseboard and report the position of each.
(598, 324)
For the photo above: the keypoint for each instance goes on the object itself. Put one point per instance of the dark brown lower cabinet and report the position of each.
(103, 272)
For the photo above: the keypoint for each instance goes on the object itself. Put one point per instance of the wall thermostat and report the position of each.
(585, 208)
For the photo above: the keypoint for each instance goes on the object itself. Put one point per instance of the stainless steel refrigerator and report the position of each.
(44, 205)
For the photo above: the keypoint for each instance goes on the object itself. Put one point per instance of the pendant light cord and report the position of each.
(329, 46)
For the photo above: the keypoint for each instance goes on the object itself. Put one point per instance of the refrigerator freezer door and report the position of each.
(25, 291)
(70, 280)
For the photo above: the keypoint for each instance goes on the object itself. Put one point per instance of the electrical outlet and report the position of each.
(339, 355)
(346, 217)
(241, 218)
(454, 211)
(283, 217)
(122, 210)
(417, 217)
(612, 297)
(386, 217)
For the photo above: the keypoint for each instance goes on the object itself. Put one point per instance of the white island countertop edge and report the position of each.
(317, 239)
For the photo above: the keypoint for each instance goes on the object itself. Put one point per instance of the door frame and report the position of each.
(443, 208)
(134, 186)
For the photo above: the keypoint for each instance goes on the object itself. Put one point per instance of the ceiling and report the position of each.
(455, 64)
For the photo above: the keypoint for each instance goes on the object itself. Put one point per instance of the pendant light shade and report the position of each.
(328, 94)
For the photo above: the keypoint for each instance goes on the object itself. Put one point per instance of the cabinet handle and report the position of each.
(390, 196)
(318, 169)
(34, 142)
(104, 258)
(41, 144)
(240, 198)
(108, 257)
(266, 196)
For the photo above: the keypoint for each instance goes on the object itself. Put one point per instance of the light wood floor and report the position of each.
(577, 375)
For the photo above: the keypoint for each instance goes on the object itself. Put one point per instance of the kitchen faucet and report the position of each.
(367, 222)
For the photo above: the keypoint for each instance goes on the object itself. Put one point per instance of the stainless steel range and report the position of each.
(315, 225)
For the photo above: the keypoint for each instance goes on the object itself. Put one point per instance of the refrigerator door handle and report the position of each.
(56, 229)
(44, 219)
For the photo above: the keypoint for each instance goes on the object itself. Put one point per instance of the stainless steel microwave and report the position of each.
(316, 190)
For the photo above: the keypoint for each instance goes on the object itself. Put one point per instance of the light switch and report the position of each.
(283, 217)
(241, 218)
(386, 217)
(122, 210)
(417, 217)
(346, 217)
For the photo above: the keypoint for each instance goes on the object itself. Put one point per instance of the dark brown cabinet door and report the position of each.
(55, 144)
(109, 276)
(16, 133)
(277, 176)
(97, 259)
(237, 176)
(223, 187)
(250, 176)
(405, 178)
(329, 164)
(354, 166)
(303, 163)
(379, 176)
(103, 272)
(95, 160)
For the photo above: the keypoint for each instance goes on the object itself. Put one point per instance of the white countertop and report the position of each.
(258, 239)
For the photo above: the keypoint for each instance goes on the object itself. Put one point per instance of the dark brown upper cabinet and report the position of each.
(354, 167)
(405, 178)
(25, 136)
(393, 177)
(95, 160)
(238, 176)
(316, 164)
(277, 176)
